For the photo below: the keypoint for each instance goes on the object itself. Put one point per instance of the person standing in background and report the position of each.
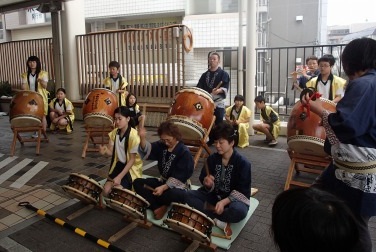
(330, 86)
(306, 74)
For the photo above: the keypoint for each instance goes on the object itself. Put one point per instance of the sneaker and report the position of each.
(267, 140)
(35, 135)
(273, 143)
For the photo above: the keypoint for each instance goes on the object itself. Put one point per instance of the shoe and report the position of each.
(273, 143)
(267, 140)
(160, 212)
(35, 135)
(227, 230)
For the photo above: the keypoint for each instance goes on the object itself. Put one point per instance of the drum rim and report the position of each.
(195, 127)
(120, 205)
(193, 209)
(105, 89)
(74, 190)
(28, 116)
(312, 139)
(189, 228)
(133, 194)
(86, 177)
(208, 96)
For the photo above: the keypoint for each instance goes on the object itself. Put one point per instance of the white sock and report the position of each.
(220, 224)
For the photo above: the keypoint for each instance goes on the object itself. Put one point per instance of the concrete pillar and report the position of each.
(240, 48)
(72, 24)
(251, 58)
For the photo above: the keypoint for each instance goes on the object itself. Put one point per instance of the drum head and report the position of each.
(186, 230)
(307, 145)
(198, 91)
(25, 121)
(79, 195)
(189, 129)
(96, 120)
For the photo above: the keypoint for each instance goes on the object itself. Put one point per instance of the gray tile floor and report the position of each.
(22, 230)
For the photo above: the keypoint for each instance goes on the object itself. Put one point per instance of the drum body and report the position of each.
(189, 222)
(84, 188)
(98, 108)
(26, 109)
(127, 202)
(192, 111)
(307, 136)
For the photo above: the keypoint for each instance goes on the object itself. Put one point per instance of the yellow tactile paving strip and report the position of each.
(40, 198)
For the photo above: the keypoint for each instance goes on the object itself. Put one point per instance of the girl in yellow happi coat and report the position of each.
(238, 115)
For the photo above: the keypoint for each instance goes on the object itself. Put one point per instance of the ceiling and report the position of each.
(11, 5)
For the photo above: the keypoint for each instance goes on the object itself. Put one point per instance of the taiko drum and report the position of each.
(98, 108)
(305, 134)
(26, 109)
(192, 111)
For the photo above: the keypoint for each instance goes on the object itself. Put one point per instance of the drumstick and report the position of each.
(221, 236)
(219, 84)
(209, 207)
(207, 168)
(142, 124)
(149, 187)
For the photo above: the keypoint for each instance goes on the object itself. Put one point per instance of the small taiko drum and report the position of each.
(127, 202)
(26, 109)
(190, 222)
(84, 188)
(98, 108)
(306, 135)
(192, 111)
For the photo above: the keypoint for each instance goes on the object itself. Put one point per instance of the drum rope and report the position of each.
(77, 230)
(313, 95)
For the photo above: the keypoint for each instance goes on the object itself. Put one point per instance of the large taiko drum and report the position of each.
(26, 109)
(98, 108)
(84, 188)
(192, 111)
(190, 222)
(306, 135)
(127, 202)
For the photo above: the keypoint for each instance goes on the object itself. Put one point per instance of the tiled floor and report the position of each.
(22, 230)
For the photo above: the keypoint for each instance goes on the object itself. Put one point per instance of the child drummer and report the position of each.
(126, 164)
(226, 182)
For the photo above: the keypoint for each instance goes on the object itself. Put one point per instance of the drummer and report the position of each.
(216, 82)
(116, 83)
(175, 165)
(126, 164)
(36, 79)
(226, 182)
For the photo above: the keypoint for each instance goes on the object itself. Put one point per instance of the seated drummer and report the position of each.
(126, 164)
(226, 180)
(175, 165)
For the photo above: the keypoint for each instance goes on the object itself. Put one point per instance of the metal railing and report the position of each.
(274, 68)
(153, 62)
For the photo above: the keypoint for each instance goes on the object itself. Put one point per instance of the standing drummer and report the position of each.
(116, 83)
(216, 82)
(36, 79)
